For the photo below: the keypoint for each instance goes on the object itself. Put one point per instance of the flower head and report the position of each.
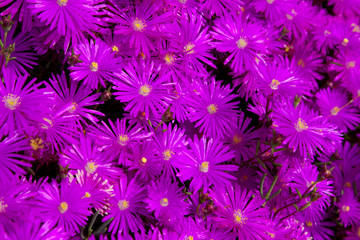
(349, 208)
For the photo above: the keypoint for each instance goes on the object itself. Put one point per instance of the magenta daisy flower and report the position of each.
(126, 207)
(142, 89)
(97, 65)
(333, 105)
(219, 7)
(85, 155)
(74, 99)
(304, 130)
(349, 208)
(68, 18)
(10, 160)
(272, 9)
(240, 210)
(204, 164)
(21, 104)
(116, 139)
(213, 108)
(244, 41)
(167, 201)
(140, 24)
(65, 207)
(169, 141)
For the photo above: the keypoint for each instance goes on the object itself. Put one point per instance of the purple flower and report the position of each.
(21, 104)
(213, 108)
(239, 211)
(126, 207)
(204, 164)
(272, 9)
(167, 201)
(333, 104)
(142, 89)
(244, 41)
(304, 130)
(65, 207)
(97, 65)
(219, 7)
(349, 208)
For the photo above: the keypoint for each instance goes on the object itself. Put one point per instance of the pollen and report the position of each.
(143, 160)
(115, 48)
(139, 25)
(3, 206)
(123, 205)
(308, 223)
(123, 139)
(270, 1)
(189, 48)
(164, 202)
(182, 1)
(345, 42)
(327, 33)
(335, 110)
(36, 144)
(73, 107)
(237, 139)
(169, 58)
(167, 154)
(145, 90)
(91, 167)
(50, 123)
(190, 238)
(11, 101)
(274, 85)
(301, 125)
(62, 3)
(345, 208)
(239, 218)
(350, 64)
(204, 167)
(301, 63)
(212, 108)
(241, 43)
(63, 207)
(94, 66)
(87, 195)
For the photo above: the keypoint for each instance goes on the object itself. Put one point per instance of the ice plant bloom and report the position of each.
(204, 164)
(213, 108)
(239, 210)
(142, 88)
(126, 207)
(98, 64)
(349, 208)
(304, 130)
(65, 207)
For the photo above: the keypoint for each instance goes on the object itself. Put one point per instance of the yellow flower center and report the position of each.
(345, 208)
(241, 43)
(62, 3)
(169, 58)
(350, 64)
(123, 140)
(327, 33)
(335, 110)
(204, 167)
(309, 223)
(49, 124)
(167, 154)
(239, 218)
(189, 48)
(87, 195)
(36, 143)
(115, 48)
(164, 202)
(274, 85)
(123, 205)
(94, 66)
(63, 207)
(145, 90)
(212, 108)
(270, 1)
(91, 167)
(143, 160)
(345, 42)
(139, 25)
(301, 125)
(237, 139)
(11, 101)
(190, 238)
(301, 63)
(73, 107)
(3, 206)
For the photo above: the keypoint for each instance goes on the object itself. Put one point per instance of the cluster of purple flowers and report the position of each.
(179, 119)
